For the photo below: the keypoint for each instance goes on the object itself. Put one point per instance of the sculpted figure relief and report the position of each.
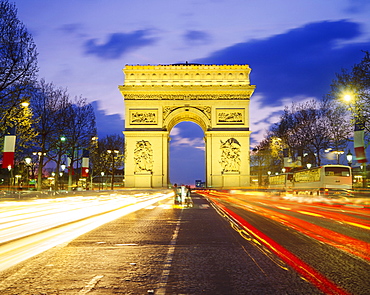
(230, 157)
(143, 156)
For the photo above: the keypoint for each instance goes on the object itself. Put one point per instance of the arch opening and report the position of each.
(187, 154)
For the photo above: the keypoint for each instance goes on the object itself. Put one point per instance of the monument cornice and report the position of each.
(186, 66)
(187, 88)
(187, 75)
(187, 93)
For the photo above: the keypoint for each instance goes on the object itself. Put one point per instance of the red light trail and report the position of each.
(345, 243)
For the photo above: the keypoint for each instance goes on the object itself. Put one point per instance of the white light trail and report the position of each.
(61, 221)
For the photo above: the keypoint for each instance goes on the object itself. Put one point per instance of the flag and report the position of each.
(9, 148)
(85, 163)
(359, 143)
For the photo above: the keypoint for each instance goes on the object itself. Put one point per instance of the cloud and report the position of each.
(119, 44)
(187, 165)
(196, 37)
(187, 156)
(107, 124)
(357, 6)
(263, 116)
(188, 135)
(71, 28)
(302, 61)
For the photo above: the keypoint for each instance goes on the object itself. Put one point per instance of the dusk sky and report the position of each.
(294, 48)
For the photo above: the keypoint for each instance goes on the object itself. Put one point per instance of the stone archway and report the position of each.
(216, 97)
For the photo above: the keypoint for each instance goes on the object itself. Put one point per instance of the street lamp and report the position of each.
(349, 158)
(63, 167)
(102, 180)
(10, 176)
(309, 165)
(347, 97)
(112, 152)
(28, 161)
(359, 144)
(25, 103)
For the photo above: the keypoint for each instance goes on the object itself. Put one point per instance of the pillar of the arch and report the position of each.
(146, 161)
(217, 175)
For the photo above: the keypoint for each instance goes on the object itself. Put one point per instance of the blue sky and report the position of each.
(294, 48)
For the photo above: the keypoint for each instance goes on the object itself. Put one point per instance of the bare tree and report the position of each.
(64, 127)
(18, 60)
(355, 83)
(81, 128)
(306, 128)
(312, 128)
(48, 104)
(108, 162)
(262, 160)
(338, 125)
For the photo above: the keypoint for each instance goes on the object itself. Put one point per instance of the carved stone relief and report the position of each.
(230, 156)
(143, 156)
(168, 110)
(204, 109)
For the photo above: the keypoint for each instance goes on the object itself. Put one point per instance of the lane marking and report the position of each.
(283, 208)
(161, 290)
(310, 213)
(90, 285)
(358, 225)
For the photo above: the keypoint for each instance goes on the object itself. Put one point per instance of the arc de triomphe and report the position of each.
(216, 97)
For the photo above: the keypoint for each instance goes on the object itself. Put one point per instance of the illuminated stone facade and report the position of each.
(216, 97)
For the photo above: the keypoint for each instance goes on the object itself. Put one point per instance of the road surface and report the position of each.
(225, 244)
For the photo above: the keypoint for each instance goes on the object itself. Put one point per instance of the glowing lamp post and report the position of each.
(28, 161)
(63, 167)
(112, 153)
(358, 142)
(349, 158)
(102, 179)
(347, 98)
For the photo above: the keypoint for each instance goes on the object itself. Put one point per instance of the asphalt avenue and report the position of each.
(162, 249)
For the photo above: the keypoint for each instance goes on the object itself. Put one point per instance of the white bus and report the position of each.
(281, 181)
(323, 180)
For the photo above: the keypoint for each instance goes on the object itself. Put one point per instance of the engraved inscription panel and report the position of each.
(143, 116)
(230, 116)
